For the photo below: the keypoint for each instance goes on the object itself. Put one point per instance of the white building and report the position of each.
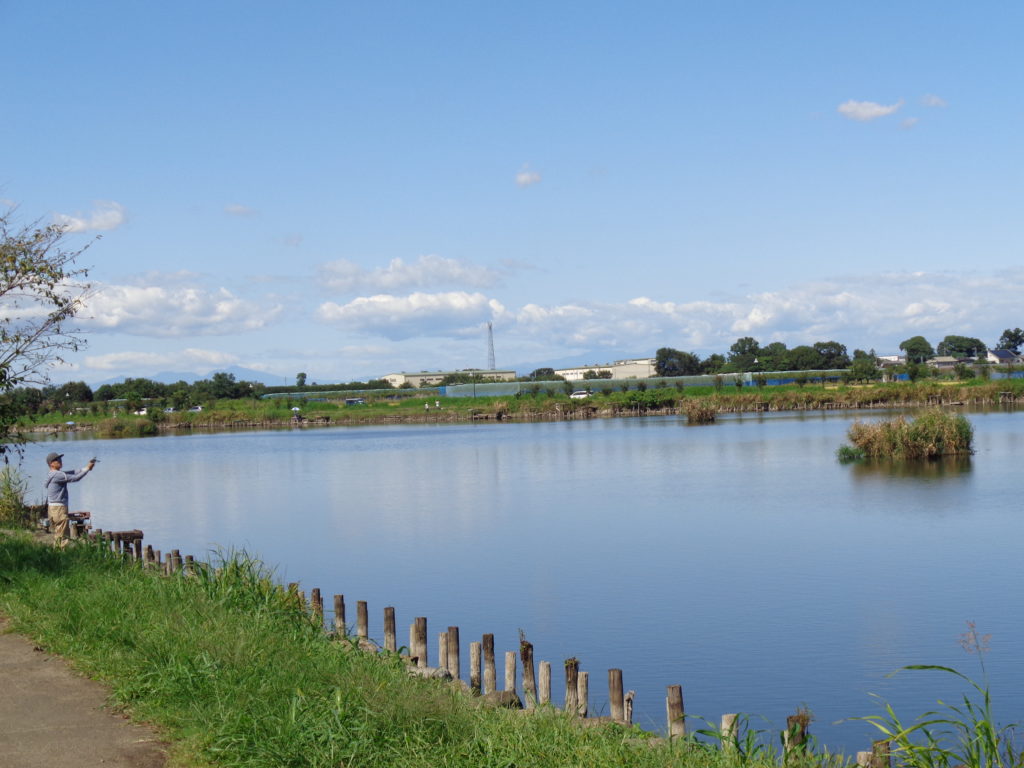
(635, 368)
(433, 378)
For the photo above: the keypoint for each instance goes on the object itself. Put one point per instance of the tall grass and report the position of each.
(966, 733)
(237, 674)
(933, 433)
(13, 487)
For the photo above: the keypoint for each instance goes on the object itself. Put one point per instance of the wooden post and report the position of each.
(490, 673)
(420, 630)
(529, 676)
(572, 674)
(627, 705)
(881, 754)
(362, 620)
(675, 713)
(474, 667)
(318, 605)
(176, 557)
(454, 665)
(864, 759)
(583, 693)
(390, 635)
(149, 553)
(794, 740)
(728, 733)
(339, 615)
(544, 682)
(510, 671)
(442, 651)
(137, 545)
(615, 701)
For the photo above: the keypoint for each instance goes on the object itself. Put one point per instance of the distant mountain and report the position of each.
(190, 377)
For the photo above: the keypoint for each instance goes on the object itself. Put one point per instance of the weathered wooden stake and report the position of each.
(544, 682)
(864, 759)
(390, 634)
(420, 629)
(729, 734)
(362, 619)
(442, 650)
(881, 754)
(137, 545)
(675, 713)
(615, 702)
(583, 693)
(627, 705)
(474, 667)
(454, 665)
(510, 671)
(318, 604)
(529, 675)
(190, 565)
(339, 615)
(794, 740)
(490, 673)
(572, 674)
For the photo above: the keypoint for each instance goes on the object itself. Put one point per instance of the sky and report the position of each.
(355, 189)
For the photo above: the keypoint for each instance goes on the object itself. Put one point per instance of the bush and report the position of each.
(933, 433)
(700, 411)
(13, 512)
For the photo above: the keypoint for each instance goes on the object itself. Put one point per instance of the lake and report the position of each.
(738, 559)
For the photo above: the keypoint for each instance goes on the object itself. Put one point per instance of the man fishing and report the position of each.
(56, 488)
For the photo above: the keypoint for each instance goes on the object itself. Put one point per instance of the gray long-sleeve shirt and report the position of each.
(56, 485)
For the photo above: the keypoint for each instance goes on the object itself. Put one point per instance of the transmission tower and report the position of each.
(490, 346)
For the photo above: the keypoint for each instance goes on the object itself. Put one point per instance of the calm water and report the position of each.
(738, 559)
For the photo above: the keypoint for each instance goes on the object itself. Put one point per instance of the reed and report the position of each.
(934, 433)
(700, 411)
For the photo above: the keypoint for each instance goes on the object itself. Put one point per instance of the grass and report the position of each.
(237, 674)
(932, 434)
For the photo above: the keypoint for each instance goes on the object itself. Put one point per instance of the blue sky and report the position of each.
(351, 189)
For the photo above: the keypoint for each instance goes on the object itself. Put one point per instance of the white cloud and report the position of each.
(910, 122)
(153, 361)
(931, 100)
(106, 215)
(415, 315)
(235, 209)
(172, 310)
(863, 111)
(527, 177)
(429, 271)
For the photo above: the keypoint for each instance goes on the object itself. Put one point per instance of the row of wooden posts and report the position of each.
(482, 662)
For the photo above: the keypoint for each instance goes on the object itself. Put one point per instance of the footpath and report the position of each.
(52, 717)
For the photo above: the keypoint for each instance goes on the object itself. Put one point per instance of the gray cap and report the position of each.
(53, 457)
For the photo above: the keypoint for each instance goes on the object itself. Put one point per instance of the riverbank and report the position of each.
(280, 414)
(235, 671)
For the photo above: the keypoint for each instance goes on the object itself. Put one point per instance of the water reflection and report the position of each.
(929, 469)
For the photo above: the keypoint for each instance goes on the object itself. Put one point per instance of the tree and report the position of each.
(300, 380)
(917, 349)
(743, 354)
(713, 363)
(773, 357)
(864, 365)
(672, 362)
(41, 291)
(1012, 340)
(544, 374)
(961, 346)
(833, 354)
(804, 358)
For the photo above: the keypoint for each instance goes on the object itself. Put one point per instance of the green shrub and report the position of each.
(13, 512)
(933, 433)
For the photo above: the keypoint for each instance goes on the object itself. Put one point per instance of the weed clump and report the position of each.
(932, 434)
(700, 411)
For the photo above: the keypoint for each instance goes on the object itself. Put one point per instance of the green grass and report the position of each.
(237, 674)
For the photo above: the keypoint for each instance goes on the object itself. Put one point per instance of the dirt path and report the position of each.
(51, 717)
